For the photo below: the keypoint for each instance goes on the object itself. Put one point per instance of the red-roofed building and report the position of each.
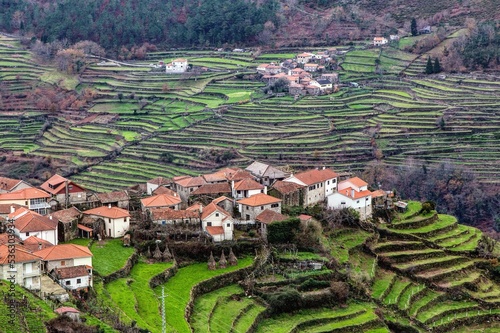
(119, 199)
(304, 58)
(291, 193)
(225, 202)
(33, 243)
(24, 266)
(156, 183)
(10, 185)
(267, 217)
(161, 201)
(251, 207)
(73, 313)
(353, 193)
(207, 192)
(246, 188)
(217, 222)
(28, 223)
(184, 185)
(64, 191)
(64, 255)
(67, 226)
(73, 278)
(165, 216)
(33, 198)
(318, 184)
(116, 220)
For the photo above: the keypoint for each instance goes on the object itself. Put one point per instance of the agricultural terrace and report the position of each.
(109, 255)
(137, 113)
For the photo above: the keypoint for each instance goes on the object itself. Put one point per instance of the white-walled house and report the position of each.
(24, 265)
(154, 183)
(179, 65)
(217, 222)
(73, 278)
(379, 41)
(318, 184)
(33, 198)
(246, 188)
(9, 185)
(116, 220)
(28, 223)
(353, 193)
(64, 255)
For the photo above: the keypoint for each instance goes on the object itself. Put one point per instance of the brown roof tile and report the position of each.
(210, 208)
(356, 181)
(113, 196)
(20, 255)
(259, 200)
(64, 251)
(212, 189)
(269, 216)
(248, 184)
(159, 181)
(286, 187)
(56, 184)
(215, 231)
(109, 212)
(33, 243)
(171, 214)
(71, 272)
(24, 194)
(161, 200)
(187, 181)
(67, 215)
(31, 221)
(315, 176)
(164, 190)
(7, 184)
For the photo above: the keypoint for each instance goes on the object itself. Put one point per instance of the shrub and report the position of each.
(427, 207)
(285, 301)
(311, 284)
(340, 291)
(283, 231)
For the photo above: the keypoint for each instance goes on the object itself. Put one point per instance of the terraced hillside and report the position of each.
(137, 113)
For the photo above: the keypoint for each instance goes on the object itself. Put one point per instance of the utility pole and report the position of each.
(163, 316)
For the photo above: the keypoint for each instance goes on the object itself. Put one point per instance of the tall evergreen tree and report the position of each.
(413, 27)
(437, 66)
(429, 68)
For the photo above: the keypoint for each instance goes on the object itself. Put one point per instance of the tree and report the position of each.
(413, 27)
(437, 66)
(429, 68)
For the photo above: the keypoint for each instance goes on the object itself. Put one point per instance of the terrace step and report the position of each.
(463, 278)
(441, 273)
(416, 266)
(415, 222)
(398, 246)
(404, 256)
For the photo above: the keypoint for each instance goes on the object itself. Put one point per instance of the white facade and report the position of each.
(247, 193)
(27, 274)
(219, 219)
(76, 282)
(362, 205)
(316, 192)
(116, 228)
(379, 41)
(177, 66)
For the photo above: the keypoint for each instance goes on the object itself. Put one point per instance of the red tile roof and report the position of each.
(65, 309)
(56, 184)
(348, 192)
(64, 251)
(32, 221)
(378, 193)
(187, 181)
(71, 272)
(164, 190)
(33, 243)
(159, 181)
(20, 255)
(286, 187)
(24, 194)
(5, 208)
(161, 200)
(4, 239)
(315, 176)
(356, 181)
(212, 189)
(113, 196)
(84, 228)
(220, 199)
(7, 184)
(170, 214)
(215, 231)
(248, 184)
(210, 208)
(67, 215)
(259, 200)
(196, 207)
(240, 175)
(304, 217)
(106, 211)
(269, 216)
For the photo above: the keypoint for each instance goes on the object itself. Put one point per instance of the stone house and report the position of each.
(26, 266)
(10, 185)
(318, 184)
(251, 207)
(291, 194)
(64, 191)
(67, 223)
(116, 220)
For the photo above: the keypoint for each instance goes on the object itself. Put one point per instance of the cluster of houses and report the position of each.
(305, 74)
(215, 203)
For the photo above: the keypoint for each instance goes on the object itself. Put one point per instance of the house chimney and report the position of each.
(324, 167)
(109, 206)
(50, 217)
(39, 246)
(352, 193)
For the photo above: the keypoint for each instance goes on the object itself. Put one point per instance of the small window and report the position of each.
(228, 225)
(274, 205)
(70, 187)
(247, 207)
(216, 214)
(328, 183)
(27, 234)
(209, 224)
(342, 203)
(63, 263)
(78, 281)
(261, 207)
(68, 282)
(239, 192)
(357, 201)
(366, 199)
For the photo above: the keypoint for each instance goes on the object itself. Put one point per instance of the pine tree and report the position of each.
(429, 68)
(414, 30)
(437, 66)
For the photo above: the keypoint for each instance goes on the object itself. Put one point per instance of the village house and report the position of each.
(64, 191)
(225, 203)
(311, 67)
(25, 265)
(73, 278)
(68, 311)
(33, 243)
(208, 192)
(6, 209)
(265, 218)
(332, 77)
(161, 201)
(119, 199)
(291, 194)
(179, 65)
(394, 38)
(304, 58)
(251, 207)
(217, 222)
(28, 223)
(246, 188)
(64, 255)
(116, 220)
(324, 85)
(379, 41)
(184, 185)
(313, 89)
(68, 227)
(262, 68)
(10, 185)
(153, 184)
(318, 184)
(164, 216)
(353, 193)
(32, 198)
(296, 89)
(265, 174)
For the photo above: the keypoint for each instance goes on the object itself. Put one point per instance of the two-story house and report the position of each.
(64, 255)
(20, 264)
(265, 174)
(318, 184)
(73, 278)
(10, 185)
(217, 222)
(28, 223)
(184, 185)
(116, 220)
(246, 188)
(161, 201)
(304, 58)
(353, 193)
(155, 183)
(179, 65)
(33, 198)
(251, 207)
(64, 191)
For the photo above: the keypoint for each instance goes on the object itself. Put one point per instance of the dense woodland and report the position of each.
(125, 23)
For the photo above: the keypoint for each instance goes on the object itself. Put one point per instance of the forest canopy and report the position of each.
(113, 23)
